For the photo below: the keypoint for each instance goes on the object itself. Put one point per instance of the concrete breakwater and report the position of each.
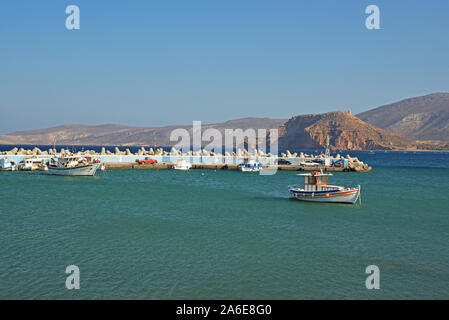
(201, 159)
(157, 166)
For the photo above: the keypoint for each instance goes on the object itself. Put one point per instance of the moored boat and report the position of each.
(316, 189)
(250, 166)
(182, 164)
(73, 166)
(32, 163)
(43, 167)
(7, 165)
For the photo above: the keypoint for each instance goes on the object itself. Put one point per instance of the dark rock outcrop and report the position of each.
(346, 132)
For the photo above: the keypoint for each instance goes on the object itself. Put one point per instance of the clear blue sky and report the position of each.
(152, 63)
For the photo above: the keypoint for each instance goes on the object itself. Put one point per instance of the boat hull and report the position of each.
(8, 169)
(243, 169)
(344, 196)
(28, 168)
(181, 168)
(6, 165)
(251, 167)
(88, 170)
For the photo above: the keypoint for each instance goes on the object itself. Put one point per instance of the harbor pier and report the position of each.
(157, 166)
(201, 159)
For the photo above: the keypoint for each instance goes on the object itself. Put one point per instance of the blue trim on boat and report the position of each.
(315, 192)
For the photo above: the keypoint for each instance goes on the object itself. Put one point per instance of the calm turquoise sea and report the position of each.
(144, 234)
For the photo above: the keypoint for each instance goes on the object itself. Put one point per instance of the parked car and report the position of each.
(309, 163)
(283, 162)
(147, 160)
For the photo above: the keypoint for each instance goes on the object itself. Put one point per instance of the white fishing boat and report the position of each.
(32, 163)
(7, 165)
(250, 166)
(73, 166)
(182, 164)
(316, 189)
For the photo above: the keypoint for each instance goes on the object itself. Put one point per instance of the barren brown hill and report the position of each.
(346, 132)
(112, 134)
(420, 118)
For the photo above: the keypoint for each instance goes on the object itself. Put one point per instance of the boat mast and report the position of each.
(54, 143)
(327, 146)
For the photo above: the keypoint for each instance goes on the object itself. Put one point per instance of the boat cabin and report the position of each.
(68, 162)
(33, 162)
(248, 162)
(4, 162)
(316, 181)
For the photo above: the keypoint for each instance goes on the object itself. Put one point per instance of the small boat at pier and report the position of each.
(316, 189)
(182, 164)
(32, 164)
(250, 166)
(73, 166)
(7, 165)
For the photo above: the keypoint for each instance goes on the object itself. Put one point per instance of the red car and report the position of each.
(147, 160)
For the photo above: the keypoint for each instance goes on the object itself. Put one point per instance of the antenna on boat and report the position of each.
(54, 143)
